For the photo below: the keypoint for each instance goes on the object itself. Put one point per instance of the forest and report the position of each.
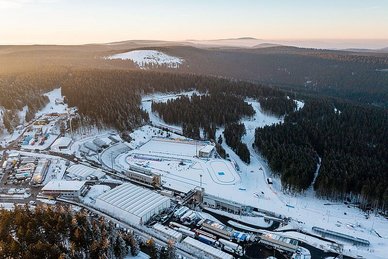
(349, 138)
(59, 232)
(233, 133)
(351, 141)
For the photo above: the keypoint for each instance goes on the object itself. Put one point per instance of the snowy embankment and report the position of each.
(145, 58)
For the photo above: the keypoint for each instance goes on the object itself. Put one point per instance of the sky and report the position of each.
(101, 21)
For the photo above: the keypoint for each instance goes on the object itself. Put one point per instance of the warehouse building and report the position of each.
(66, 189)
(131, 203)
(83, 172)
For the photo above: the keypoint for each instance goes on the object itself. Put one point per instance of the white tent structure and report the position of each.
(131, 203)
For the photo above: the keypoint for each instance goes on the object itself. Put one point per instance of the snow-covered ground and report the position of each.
(55, 104)
(305, 208)
(143, 58)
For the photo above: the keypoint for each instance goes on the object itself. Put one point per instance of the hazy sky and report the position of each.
(86, 21)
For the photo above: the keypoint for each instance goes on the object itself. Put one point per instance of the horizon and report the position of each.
(68, 22)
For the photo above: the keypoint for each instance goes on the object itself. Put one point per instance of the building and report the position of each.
(206, 151)
(14, 157)
(217, 229)
(93, 147)
(82, 172)
(143, 176)
(61, 144)
(132, 204)
(343, 237)
(225, 205)
(279, 242)
(66, 189)
(100, 143)
(40, 171)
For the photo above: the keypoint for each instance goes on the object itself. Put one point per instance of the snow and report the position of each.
(61, 185)
(93, 193)
(149, 57)
(306, 208)
(140, 255)
(299, 104)
(52, 106)
(256, 221)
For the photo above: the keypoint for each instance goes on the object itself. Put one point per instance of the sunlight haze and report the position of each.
(79, 22)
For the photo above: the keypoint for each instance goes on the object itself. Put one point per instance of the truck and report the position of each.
(21, 176)
(207, 240)
(231, 247)
(185, 232)
(180, 211)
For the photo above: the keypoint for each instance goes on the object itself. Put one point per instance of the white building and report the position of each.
(61, 144)
(206, 151)
(83, 172)
(131, 203)
(66, 189)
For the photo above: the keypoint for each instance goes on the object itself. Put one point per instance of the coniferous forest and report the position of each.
(59, 232)
(351, 141)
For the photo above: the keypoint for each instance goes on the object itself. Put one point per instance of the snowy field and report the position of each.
(143, 58)
(175, 160)
(183, 148)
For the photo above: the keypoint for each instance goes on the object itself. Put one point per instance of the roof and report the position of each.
(62, 185)
(83, 171)
(206, 248)
(99, 142)
(168, 231)
(133, 199)
(207, 149)
(63, 141)
(92, 146)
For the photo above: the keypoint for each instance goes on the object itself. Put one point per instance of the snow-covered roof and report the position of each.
(207, 149)
(62, 185)
(83, 171)
(62, 142)
(133, 199)
(99, 142)
(206, 248)
(168, 231)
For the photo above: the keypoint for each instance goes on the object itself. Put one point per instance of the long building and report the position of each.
(347, 238)
(131, 203)
(66, 189)
(40, 171)
(218, 229)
